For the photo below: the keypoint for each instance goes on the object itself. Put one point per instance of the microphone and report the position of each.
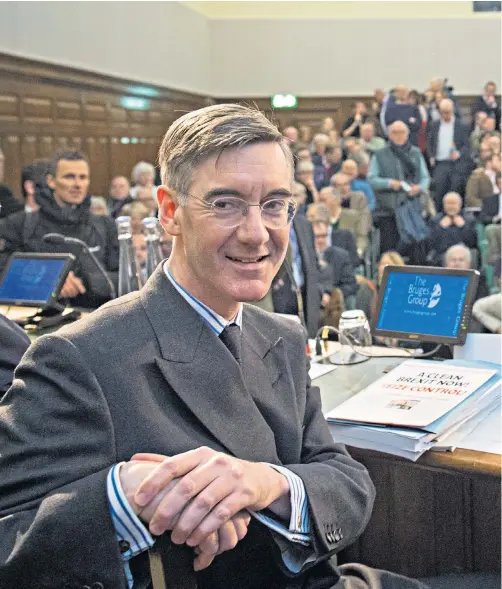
(58, 239)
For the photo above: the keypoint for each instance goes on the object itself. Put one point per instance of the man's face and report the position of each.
(367, 132)
(494, 144)
(489, 124)
(119, 188)
(71, 182)
(485, 153)
(446, 113)
(139, 244)
(304, 155)
(457, 259)
(328, 124)
(145, 179)
(480, 117)
(398, 135)
(360, 108)
(221, 266)
(334, 156)
(343, 185)
(451, 205)
(349, 167)
(321, 236)
(490, 89)
(291, 133)
(326, 195)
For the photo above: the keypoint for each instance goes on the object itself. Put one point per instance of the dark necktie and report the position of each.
(231, 337)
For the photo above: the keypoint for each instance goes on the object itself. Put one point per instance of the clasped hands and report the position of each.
(202, 496)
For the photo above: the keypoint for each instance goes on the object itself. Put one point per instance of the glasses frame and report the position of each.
(210, 206)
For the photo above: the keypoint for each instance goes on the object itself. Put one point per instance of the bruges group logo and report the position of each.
(435, 296)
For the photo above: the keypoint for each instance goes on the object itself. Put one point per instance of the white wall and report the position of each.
(158, 42)
(350, 57)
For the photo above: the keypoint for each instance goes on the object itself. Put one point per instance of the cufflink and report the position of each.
(124, 546)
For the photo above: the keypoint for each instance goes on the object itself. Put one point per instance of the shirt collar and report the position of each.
(216, 322)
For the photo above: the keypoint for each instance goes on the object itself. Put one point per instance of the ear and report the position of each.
(168, 210)
(51, 183)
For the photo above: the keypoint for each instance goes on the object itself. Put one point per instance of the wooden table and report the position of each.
(438, 515)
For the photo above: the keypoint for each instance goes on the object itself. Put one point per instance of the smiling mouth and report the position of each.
(248, 260)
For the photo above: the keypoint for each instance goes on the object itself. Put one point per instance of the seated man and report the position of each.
(350, 210)
(350, 169)
(64, 208)
(336, 270)
(451, 227)
(449, 153)
(334, 158)
(487, 103)
(369, 141)
(479, 187)
(119, 195)
(459, 257)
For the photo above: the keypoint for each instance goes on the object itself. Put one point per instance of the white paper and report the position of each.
(317, 370)
(414, 394)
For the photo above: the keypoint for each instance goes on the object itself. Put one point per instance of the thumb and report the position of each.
(150, 457)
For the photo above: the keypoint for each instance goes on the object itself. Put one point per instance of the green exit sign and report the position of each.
(284, 101)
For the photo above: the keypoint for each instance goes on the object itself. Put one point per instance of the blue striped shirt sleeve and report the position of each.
(129, 530)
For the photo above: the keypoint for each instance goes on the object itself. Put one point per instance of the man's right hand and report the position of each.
(445, 222)
(72, 287)
(395, 184)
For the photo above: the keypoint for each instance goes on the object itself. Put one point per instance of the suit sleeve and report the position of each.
(57, 446)
(339, 490)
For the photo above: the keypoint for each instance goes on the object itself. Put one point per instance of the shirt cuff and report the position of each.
(299, 521)
(132, 535)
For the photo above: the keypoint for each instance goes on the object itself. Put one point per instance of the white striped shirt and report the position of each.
(134, 537)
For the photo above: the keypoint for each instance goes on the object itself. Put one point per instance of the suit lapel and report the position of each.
(205, 376)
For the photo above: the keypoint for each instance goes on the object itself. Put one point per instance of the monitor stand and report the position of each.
(51, 316)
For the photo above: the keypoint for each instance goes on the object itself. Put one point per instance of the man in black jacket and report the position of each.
(487, 103)
(64, 208)
(448, 152)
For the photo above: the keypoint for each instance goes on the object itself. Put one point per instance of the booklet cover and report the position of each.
(414, 394)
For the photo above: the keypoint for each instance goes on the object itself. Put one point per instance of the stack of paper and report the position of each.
(420, 404)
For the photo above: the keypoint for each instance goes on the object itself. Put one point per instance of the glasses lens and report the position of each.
(275, 213)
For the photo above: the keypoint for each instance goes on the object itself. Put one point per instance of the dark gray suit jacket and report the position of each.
(146, 373)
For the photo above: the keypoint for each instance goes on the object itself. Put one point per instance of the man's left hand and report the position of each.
(415, 189)
(212, 488)
(458, 221)
(454, 155)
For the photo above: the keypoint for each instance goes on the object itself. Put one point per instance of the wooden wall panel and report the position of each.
(46, 108)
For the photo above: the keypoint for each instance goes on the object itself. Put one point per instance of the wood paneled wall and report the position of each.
(45, 109)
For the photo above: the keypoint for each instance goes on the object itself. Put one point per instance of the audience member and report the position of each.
(305, 176)
(493, 168)
(488, 311)
(448, 152)
(400, 108)
(477, 133)
(350, 169)
(291, 134)
(487, 103)
(327, 125)
(319, 211)
(350, 210)
(397, 172)
(137, 211)
(336, 270)
(459, 257)
(143, 176)
(334, 157)
(300, 195)
(305, 132)
(119, 195)
(369, 141)
(144, 196)
(98, 206)
(140, 250)
(320, 142)
(352, 126)
(33, 175)
(479, 187)
(451, 227)
(65, 208)
(13, 344)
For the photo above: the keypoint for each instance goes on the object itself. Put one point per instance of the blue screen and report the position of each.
(429, 304)
(31, 280)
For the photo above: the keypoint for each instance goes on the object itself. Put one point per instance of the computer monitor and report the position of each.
(425, 304)
(34, 280)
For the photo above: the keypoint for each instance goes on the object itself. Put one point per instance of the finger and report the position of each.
(203, 561)
(241, 522)
(227, 537)
(201, 505)
(219, 515)
(79, 286)
(210, 545)
(149, 456)
(167, 470)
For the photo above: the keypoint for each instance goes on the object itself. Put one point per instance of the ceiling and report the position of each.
(314, 9)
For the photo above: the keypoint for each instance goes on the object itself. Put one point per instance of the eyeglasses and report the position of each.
(229, 211)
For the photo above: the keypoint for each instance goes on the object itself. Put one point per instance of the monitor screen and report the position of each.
(426, 304)
(32, 279)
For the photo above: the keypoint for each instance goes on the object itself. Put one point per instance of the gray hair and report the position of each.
(322, 213)
(203, 133)
(459, 247)
(304, 166)
(141, 168)
(455, 194)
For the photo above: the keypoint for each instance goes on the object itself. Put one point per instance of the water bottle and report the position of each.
(152, 237)
(129, 278)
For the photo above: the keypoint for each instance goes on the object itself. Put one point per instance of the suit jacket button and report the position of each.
(124, 546)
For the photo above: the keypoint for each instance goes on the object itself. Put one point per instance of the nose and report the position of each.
(251, 230)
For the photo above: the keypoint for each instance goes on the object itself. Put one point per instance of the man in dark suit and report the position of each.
(448, 152)
(215, 392)
(487, 103)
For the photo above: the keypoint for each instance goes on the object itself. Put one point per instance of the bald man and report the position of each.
(448, 152)
(350, 169)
